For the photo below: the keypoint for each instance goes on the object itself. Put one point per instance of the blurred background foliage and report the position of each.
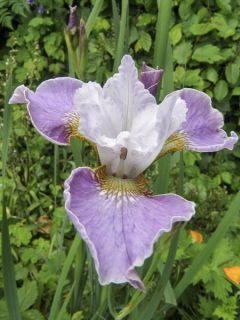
(205, 40)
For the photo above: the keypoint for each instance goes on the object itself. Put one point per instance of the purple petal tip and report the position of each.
(150, 77)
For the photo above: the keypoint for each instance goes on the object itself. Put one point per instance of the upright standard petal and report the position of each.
(202, 131)
(150, 77)
(120, 221)
(51, 108)
(123, 118)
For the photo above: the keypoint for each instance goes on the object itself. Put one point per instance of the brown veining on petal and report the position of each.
(176, 142)
(115, 185)
(72, 121)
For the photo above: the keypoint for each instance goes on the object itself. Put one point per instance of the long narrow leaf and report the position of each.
(65, 304)
(76, 147)
(148, 311)
(8, 271)
(111, 302)
(164, 164)
(93, 16)
(161, 39)
(78, 271)
(55, 172)
(7, 262)
(6, 125)
(122, 35)
(66, 267)
(116, 18)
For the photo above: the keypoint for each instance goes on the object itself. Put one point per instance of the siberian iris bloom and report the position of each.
(111, 206)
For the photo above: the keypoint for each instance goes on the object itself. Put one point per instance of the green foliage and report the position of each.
(220, 90)
(144, 42)
(207, 53)
(205, 41)
(10, 9)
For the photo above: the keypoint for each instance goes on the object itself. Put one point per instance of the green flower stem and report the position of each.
(162, 29)
(55, 172)
(72, 62)
(122, 35)
(116, 18)
(164, 163)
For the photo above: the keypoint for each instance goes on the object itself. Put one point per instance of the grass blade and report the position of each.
(212, 244)
(8, 271)
(93, 16)
(65, 304)
(76, 147)
(55, 172)
(161, 39)
(111, 302)
(72, 63)
(66, 267)
(164, 164)
(78, 271)
(122, 35)
(148, 310)
(7, 115)
(116, 18)
(10, 288)
(162, 180)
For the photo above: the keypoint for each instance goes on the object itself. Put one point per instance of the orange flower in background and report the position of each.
(196, 236)
(233, 273)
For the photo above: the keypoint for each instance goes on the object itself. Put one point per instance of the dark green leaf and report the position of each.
(220, 90)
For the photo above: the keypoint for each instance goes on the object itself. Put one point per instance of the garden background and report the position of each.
(202, 53)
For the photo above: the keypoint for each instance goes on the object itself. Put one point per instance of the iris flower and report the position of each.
(111, 206)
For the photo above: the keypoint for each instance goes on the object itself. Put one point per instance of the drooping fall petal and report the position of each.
(202, 131)
(120, 221)
(51, 108)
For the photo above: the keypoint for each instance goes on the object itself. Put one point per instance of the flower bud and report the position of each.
(150, 77)
(31, 2)
(40, 9)
(82, 32)
(82, 49)
(72, 21)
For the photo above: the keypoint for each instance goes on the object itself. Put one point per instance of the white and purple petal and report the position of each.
(51, 107)
(150, 77)
(119, 221)
(123, 115)
(202, 131)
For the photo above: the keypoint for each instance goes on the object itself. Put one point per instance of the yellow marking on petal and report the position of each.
(176, 142)
(196, 236)
(72, 121)
(233, 274)
(119, 186)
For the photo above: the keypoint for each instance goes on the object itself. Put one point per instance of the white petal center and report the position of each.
(124, 121)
